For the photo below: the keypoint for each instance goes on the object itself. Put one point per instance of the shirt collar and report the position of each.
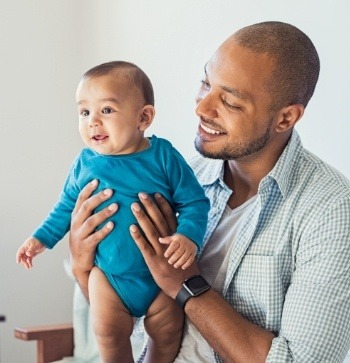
(283, 170)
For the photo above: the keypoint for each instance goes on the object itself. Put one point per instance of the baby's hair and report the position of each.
(136, 74)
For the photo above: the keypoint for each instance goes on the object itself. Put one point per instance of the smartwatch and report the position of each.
(192, 287)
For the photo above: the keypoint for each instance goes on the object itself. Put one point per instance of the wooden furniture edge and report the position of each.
(54, 342)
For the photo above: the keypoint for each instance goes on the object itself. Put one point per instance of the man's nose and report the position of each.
(206, 106)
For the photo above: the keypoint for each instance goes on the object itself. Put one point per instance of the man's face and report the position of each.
(234, 108)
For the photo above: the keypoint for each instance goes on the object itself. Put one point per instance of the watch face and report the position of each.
(197, 283)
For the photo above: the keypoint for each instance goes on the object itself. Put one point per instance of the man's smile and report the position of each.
(210, 130)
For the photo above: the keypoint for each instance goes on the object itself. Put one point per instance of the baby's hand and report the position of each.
(182, 251)
(30, 248)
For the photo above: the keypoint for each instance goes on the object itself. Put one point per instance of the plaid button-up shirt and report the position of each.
(289, 269)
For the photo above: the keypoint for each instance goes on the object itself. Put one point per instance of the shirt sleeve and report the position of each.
(57, 223)
(189, 199)
(315, 324)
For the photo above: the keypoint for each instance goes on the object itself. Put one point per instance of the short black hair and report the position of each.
(138, 76)
(294, 78)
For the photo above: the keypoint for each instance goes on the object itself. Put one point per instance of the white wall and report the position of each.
(38, 73)
(47, 45)
(172, 41)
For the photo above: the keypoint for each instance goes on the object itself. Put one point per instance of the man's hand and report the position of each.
(160, 221)
(83, 237)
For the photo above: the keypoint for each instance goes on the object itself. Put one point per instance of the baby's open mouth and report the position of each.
(99, 137)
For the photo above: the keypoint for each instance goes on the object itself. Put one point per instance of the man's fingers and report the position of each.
(167, 212)
(141, 242)
(92, 222)
(85, 194)
(155, 215)
(89, 205)
(148, 228)
(93, 240)
(86, 203)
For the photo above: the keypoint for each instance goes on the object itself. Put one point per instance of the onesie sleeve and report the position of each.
(190, 202)
(57, 223)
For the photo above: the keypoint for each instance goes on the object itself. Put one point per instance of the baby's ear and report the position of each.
(146, 117)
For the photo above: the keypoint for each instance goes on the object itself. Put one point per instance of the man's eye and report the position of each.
(84, 113)
(205, 84)
(233, 107)
(107, 110)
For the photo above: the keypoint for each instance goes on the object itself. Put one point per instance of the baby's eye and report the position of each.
(107, 110)
(84, 113)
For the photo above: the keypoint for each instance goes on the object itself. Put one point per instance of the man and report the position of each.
(277, 247)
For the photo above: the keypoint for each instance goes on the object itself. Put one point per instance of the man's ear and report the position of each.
(289, 116)
(146, 117)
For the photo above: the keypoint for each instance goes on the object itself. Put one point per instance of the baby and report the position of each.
(116, 105)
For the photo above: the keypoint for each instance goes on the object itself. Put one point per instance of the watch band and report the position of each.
(192, 287)
(182, 297)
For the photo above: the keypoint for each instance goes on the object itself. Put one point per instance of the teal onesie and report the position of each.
(160, 168)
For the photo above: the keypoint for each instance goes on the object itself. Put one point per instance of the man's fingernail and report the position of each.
(94, 182)
(157, 195)
(109, 225)
(107, 192)
(135, 207)
(133, 228)
(143, 195)
(112, 207)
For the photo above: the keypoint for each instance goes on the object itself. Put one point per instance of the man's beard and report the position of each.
(236, 150)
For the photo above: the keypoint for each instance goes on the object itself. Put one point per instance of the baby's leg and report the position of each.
(112, 322)
(164, 325)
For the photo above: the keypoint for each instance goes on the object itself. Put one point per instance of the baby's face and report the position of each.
(110, 113)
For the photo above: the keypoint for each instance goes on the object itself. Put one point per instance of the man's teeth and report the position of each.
(210, 131)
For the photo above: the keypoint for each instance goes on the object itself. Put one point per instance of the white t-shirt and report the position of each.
(213, 264)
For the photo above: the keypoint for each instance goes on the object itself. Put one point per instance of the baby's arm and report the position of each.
(181, 251)
(30, 248)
